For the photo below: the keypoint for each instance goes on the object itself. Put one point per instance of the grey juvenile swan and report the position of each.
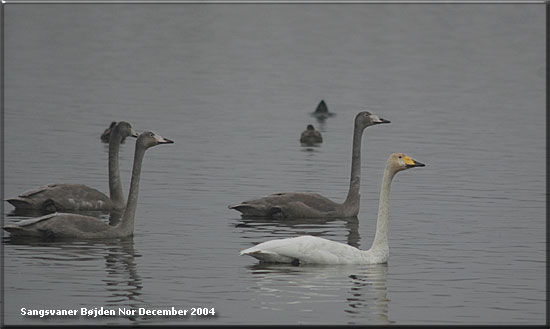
(311, 136)
(313, 205)
(74, 226)
(309, 249)
(54, 197)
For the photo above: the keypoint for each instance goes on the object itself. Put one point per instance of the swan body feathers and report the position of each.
(306, 249)
(63, 196)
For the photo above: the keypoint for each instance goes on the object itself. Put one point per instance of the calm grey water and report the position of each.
(233, 86)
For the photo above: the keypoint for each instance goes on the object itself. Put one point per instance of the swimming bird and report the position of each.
(311, 136)
(313, 205)
(55, 197)
(75, 226)
(107, 134)
(309, 249)
(321, 112)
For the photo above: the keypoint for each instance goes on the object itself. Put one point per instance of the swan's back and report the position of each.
(292, 205)
(305, 249)
(59, 225)
(63, 196)
(310, 199)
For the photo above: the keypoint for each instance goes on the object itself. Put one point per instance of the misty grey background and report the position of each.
(233, 86)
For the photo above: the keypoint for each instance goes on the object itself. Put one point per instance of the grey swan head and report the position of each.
(107, 132)
(310, 136)
(307, 249)
(313, 205)
(74, 226)
(61, 197)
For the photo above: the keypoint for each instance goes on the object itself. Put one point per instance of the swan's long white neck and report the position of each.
(353, 198)
(115, 185)
(127, 222)
(381, 236)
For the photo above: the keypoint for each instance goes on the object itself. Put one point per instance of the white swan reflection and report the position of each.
(359, 290)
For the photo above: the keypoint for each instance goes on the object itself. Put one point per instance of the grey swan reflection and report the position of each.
(65, 197)
(123, 280)
(123, 283)
(313, 205)
(74, 226)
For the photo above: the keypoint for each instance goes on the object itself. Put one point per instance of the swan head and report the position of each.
(113, 123)
(310, 127)
(365, 119)
(125, 129)
(399, 161)
(149, 139)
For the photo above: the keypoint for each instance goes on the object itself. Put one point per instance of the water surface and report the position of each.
(233, 86)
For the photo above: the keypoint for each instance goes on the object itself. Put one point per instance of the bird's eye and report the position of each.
(400, 157)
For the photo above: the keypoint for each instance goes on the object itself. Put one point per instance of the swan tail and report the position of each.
(26, 227)
(266, 256)
(15, 229)
(12, 228)
(21, 231)
(20, 203)
(248, 210)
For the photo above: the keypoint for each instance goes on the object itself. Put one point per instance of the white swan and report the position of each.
(56, 197)
(313, 205)
(314, 250)
(74, 226)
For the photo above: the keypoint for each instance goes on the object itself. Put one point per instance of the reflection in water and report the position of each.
(123, 284)
(310, 148)
(321, 121)
(362, 289)
(322, 227)
(372, 281)
(122, 279)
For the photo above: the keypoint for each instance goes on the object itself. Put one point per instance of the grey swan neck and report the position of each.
(115, 185)
(351, 205)
(126, 226)
(381, 235)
